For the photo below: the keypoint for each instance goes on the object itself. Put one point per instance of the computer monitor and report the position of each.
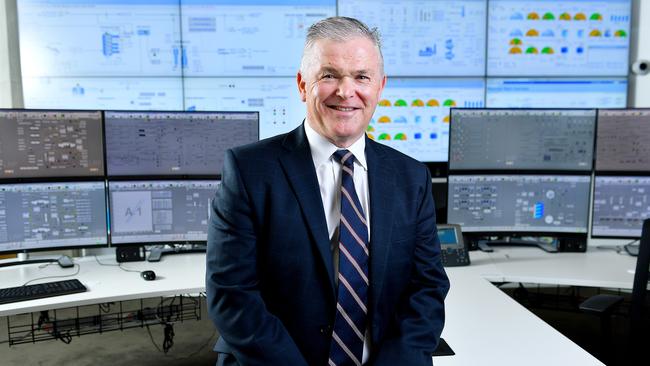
(621, 203)
(52, 216)
(622, 140)
(157, 211)
(174, 143)
(522, 139)
(558, 38)
(412, 115)
(50, 144)
(556, 93)
(247, 38)
(104, 93)
(276, 99)
(426, 38)
(519, 203)
(81, 38)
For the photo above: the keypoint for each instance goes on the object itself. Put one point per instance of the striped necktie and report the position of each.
(351, 312)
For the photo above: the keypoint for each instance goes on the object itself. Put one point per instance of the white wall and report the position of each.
(640, 84)
(11, 91)
(5, 84)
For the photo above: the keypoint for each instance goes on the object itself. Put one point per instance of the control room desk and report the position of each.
(484, 326)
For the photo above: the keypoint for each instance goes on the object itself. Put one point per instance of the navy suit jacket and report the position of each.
(270, 278)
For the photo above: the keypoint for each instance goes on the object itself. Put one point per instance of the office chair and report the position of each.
(604, 305)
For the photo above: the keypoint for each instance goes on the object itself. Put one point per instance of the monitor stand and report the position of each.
(64, 261)
(484, 245)
(157, 253)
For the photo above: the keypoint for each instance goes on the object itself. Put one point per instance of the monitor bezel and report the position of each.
(621, 172)
(593, 196)
(54, 177)
(452, 170)
(523, 233)
(148, 242)
(72, 247)
(166, 176)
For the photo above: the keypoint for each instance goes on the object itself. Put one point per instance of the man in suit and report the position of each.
(322, 248)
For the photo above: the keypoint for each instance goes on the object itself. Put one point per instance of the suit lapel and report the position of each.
(381, 182)
(299, 169)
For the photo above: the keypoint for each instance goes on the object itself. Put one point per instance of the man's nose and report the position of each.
(346, 88)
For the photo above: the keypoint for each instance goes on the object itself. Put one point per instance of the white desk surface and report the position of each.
(175, 274)
(595, 268)
(484, 326)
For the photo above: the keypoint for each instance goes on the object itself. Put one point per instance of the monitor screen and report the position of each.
(558, 38)
(144, 212)
(519, 203)
(511, 139)
(556, 93)
(48, 144)
(174, 143)
(241, 37)
(623, 140)
(277, 100)
(426, 38)
(413, 114)
(52, 215)
(620, 206)
(75, 38)
(128, 93)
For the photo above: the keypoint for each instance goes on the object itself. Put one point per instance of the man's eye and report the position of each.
(363, 77)
(328, 76)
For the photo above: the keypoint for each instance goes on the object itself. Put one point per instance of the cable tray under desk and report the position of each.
(64, 324)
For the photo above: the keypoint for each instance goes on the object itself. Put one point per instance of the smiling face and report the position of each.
(341, 83)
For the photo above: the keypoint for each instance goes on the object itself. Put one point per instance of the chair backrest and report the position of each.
(640, 286)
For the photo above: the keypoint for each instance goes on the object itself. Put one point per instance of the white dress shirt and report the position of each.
(328, 172)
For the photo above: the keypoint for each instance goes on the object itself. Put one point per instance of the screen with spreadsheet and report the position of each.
(50, 144)
(160, 211)
(622, 140)
(511, 139)
(519, 203)
(174, 143)
(52, 215)
(620, 206)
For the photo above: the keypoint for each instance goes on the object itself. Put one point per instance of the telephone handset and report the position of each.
(453, 249)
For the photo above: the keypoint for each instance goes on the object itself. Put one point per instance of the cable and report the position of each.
(119, 265)
(152, 341)
(49, 277)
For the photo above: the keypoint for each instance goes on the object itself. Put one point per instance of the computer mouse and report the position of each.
(148, 275)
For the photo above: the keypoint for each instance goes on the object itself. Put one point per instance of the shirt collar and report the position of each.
(322, 149)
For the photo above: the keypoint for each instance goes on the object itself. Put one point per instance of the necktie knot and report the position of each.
(344, 157)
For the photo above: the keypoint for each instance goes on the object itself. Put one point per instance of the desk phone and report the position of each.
(454, 252)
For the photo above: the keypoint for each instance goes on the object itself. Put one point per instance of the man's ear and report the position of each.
(302, 87)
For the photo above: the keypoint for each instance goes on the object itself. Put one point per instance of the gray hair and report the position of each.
(340, 29)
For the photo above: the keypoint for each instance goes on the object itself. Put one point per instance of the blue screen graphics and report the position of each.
(277, 100)
(242, 38)
(556, 93)
(558, 38)
(413, 114)
(426, 38)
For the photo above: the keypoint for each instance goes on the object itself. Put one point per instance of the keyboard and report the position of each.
(41, 290)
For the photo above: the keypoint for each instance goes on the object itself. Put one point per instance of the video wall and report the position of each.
(227, 55)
